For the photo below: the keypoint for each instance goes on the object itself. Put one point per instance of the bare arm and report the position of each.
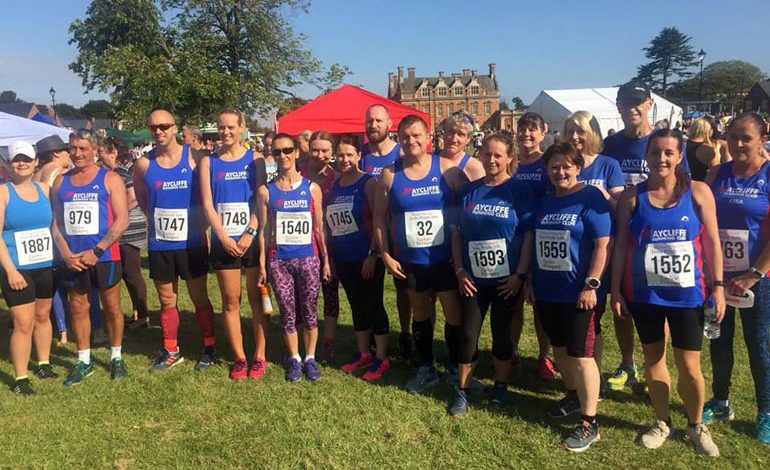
(626, 206)
(5, 256)
(141, 191)
(117, 191)
(712, 248)
(264, 229)
(318, 228)
(381, 206)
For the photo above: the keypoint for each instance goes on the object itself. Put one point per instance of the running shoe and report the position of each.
(312, 371)
(22, 387)
(654, 437)
(763, 428)
(565, 407)
(700, 437)
(358, 361)
(378, 369)
(460, 405)
(79, 371)
(713, 411)
(426, 377)
(166, 360)
(581, 438)
(328, 352)
(257, 369)
(293, 370)
(498, 397)
(45, 371)
(118, 369)
(545, 368)
(208, 359)
(623, 376)
(134, 325)
(405, 346)
(238, 369)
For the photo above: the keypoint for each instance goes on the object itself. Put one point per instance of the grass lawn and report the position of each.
(189, 419)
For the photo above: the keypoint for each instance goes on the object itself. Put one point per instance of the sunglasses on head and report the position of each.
(162, 127)
(285, 151)
(22, 158)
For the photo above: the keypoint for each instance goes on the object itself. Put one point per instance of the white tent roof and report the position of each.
(19, 128)
(556, 105)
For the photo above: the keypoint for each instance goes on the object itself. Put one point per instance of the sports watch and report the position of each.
(593, 283)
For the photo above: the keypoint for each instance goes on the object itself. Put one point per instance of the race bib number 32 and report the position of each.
(81, 217)
(293, 228)
(424, 228)
(340, 219)
(170, 224)
(33, 246)
(670, 264)
(489, 258)
(552, 250)
(735, 249)
(234, 217)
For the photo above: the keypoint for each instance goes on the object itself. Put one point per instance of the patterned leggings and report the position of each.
(296, 283)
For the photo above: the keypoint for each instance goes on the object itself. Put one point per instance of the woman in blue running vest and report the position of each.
(26, 256)
(666, 264)
(229, 181)
(573, 226)
(492, 248)
(742, 191)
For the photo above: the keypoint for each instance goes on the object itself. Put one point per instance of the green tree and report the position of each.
(97, 109)
(195, 56)
(518, 103)
(725, 81)
(68, 111)
(9, 96)
(671, 55)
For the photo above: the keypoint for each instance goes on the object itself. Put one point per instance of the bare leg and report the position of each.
(21, 338)
(230, 288)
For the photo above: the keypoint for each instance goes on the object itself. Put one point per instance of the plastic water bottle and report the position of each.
(267, 304)
(711, 328)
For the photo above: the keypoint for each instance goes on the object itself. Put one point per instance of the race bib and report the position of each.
(424, 228)
(340, 219)
(735, 249)
(170, 224)
(670, 264)
(33, 246)
(81, 218)
(489, 258)
(552, 247)
(293, 228)
(234, 217)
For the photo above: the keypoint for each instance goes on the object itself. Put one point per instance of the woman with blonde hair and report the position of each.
(700, 149)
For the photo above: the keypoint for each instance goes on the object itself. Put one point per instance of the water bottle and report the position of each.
(267, 304)
(711, 328)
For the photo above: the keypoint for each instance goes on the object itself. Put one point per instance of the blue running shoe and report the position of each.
(312, 371)
(581, 438)
(460, 405)
(166, 360)
(763, 428)
(426, 377)
(713, 411)
(208, 359)
(79, 371)
(118, 369)
(293, 370)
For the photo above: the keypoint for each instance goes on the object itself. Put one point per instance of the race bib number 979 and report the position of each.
(81, 217)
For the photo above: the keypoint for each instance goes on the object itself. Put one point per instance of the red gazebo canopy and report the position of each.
(341, 111)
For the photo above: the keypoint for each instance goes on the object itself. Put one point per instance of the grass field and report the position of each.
(188, 419)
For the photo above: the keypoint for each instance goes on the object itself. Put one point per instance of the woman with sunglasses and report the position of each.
(229, 180)
(354, 251)
(531, 130)
(26, 256)
(317, 168)
(292, 248)
(667, 247)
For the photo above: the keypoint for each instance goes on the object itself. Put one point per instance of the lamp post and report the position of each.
(53, 103)
(701, 56)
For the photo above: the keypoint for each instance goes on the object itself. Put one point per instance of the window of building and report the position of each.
(425, 92)
(458, 91)
(450, 108)
(474, 90)
(475, 108)
(425, 108)
(461, 107)
(487, 108)
(442, 91)
(439, 110)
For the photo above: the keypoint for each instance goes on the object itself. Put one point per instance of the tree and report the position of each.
(290, 104)
(68, 111)
(97, 109)
(195, 56)
(671, 55)
(518, 103)
(725, 81)
(9, 96)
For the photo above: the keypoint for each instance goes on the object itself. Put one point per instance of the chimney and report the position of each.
(466, 72)
(400, 72)
(410, 72)
(474, 72)
(492, 71)
(441, 74)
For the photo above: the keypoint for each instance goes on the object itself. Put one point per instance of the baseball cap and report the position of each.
(633, 91)
(20, 147)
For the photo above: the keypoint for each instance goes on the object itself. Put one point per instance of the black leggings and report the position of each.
(364, 295)
(474, 309)
(131, 262)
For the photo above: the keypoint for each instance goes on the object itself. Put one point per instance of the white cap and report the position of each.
(20, 147)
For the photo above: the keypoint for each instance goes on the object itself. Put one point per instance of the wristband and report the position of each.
(373, 253)
(718, 284)
(758, 272)
(98, 251)
(251, 231)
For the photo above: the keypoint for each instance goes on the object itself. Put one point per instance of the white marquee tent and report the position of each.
(19, 128)
(556, 105)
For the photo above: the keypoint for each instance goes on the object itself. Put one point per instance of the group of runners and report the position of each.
(562, 229)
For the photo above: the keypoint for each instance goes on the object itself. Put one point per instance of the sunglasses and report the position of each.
(161, 127)
(285, 151)
(22, 158)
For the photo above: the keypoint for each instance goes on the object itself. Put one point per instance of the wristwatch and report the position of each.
(593, 283)
(373, 254)
(98, 251)
(250, 231)
(758, 272)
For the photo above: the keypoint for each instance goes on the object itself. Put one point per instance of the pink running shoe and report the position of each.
(378, 368)
(238, 369)
(546, 369)
(358, 361)
(257, 369)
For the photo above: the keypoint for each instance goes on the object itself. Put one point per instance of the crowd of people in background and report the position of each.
(669, 229)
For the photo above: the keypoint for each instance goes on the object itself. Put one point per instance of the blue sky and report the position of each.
(536, 44)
